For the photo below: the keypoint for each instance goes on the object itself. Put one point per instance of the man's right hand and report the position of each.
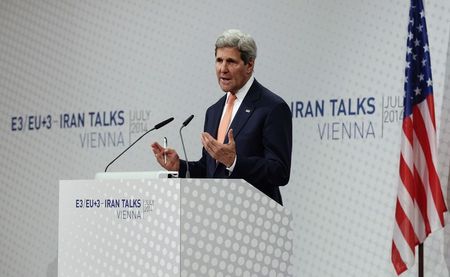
(172, 161)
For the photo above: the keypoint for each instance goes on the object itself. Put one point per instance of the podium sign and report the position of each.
(171, 227)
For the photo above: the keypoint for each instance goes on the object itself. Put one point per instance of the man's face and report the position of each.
(232, 73)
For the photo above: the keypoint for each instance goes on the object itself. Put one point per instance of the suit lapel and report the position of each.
(245, 110)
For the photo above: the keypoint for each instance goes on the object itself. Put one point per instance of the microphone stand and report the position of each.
(157, 126)
(185, 123)
(188, 174)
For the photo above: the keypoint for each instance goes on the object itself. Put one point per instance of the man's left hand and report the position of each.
(223, 153)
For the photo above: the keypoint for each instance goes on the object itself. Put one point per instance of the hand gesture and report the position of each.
(172, 160)
(223, 153)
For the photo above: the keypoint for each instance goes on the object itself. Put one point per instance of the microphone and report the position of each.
(161, 124)
(185, 123)
(157, 126)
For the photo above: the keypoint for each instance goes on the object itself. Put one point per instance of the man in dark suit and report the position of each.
(248, 132)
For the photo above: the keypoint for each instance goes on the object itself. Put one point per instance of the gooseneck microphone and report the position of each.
(157, 126)
(185, 123)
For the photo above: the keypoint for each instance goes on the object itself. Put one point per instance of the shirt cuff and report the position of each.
(231, 168)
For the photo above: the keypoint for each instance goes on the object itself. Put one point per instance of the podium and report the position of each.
(171, 227)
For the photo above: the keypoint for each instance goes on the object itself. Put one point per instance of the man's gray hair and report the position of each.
(237, 39)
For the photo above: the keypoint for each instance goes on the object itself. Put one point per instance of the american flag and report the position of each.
(420, 204)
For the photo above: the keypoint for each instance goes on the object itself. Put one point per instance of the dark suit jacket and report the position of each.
(262, 129)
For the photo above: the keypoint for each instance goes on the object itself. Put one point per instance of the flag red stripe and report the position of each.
(421, 133)
(430, 104)
(436, 193)
(439, 201)
(407, 127)
(407, 177)
(397, 260)
(421, 199)
(438, 197)
(405, 226)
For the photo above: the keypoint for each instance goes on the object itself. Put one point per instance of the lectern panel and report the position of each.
(119, 228)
